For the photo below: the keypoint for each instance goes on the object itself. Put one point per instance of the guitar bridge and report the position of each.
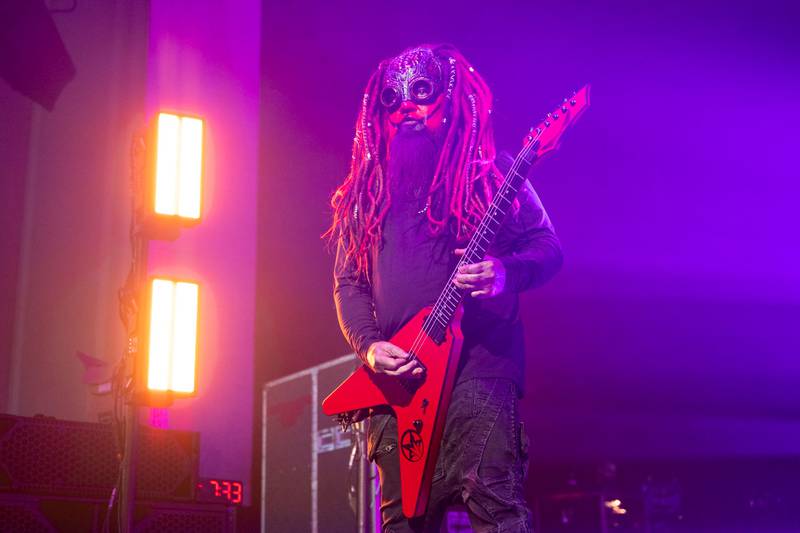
(345, 420)
(348, 418)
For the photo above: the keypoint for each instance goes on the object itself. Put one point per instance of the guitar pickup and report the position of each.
(435, 330)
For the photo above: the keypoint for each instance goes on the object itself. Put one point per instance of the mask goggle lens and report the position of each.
(390, 98)
(420, 91)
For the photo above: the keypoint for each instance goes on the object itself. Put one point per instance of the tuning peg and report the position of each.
(547, 123)
(555, 116)
(564, 108)
(573, 102)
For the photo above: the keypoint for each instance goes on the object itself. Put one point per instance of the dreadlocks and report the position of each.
(464, 180)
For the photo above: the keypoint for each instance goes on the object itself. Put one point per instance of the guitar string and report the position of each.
(424, 332)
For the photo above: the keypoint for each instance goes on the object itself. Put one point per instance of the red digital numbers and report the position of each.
(229, 490)
(220, 489)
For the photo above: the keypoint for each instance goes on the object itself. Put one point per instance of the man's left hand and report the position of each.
(485, 279)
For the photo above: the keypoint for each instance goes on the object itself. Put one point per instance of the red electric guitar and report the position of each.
(434, 336)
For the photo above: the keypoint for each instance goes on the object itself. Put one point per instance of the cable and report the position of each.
(354, 463)
(128, 296)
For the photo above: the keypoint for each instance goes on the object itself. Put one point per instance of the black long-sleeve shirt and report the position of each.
(409, 271)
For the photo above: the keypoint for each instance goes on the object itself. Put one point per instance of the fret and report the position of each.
(488, 225)
(447, 311)
(476, 253)
(503, 204)
(504, 191)
(447, 306)
(452, 299)
(487, 228)
(441, 320)
(510, 189)
(487, 233)
(507, 196)
(516, 177)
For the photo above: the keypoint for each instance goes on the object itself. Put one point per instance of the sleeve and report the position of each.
(531, 250)
(354, 306)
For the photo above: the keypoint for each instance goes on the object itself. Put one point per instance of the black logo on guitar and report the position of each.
(411, 445)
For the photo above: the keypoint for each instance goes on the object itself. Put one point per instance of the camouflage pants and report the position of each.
(482, 462)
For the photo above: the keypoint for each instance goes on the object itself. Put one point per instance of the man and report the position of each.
(423, 172)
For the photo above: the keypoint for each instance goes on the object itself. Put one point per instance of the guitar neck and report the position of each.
(451, 296)
(543, 139)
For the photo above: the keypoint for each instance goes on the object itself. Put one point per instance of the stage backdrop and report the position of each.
(672, 328)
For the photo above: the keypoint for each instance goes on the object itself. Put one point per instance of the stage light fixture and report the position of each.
(172, 344)
(178, 167)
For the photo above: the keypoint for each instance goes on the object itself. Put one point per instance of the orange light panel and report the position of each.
(179, 166)
(172, 352)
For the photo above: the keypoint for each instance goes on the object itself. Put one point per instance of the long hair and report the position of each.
(465, 178)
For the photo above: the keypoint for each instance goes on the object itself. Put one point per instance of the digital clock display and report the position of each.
(220, 491)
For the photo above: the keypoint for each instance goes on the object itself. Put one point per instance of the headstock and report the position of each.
(547, 135)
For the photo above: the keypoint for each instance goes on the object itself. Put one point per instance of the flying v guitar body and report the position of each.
(420, 404)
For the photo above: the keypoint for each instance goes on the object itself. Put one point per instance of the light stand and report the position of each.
(171, 154)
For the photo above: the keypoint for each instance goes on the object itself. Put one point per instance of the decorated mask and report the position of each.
(415, 76)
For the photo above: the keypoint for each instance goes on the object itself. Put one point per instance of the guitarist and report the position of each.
(423, 170)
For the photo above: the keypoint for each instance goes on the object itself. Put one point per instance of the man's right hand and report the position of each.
(386, 358)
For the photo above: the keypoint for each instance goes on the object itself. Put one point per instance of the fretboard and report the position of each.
(450, 298)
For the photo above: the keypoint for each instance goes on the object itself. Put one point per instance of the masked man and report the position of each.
(423, 171)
